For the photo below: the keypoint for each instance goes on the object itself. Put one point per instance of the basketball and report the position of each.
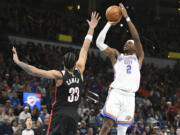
(113, 13)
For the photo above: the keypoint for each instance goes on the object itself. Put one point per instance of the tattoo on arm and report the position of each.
(26, 67)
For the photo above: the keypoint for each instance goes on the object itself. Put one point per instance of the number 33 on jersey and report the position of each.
(69, 93)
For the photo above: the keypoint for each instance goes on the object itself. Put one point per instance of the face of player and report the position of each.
(129, 46)
(29, 123)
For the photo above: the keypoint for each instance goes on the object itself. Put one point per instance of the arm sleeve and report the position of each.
(100, 39)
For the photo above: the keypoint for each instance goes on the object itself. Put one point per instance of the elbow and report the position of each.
(142, 55)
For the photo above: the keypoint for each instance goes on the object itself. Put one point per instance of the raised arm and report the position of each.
(84, 50)
(51, 74)
(110, 52)
(134, 34)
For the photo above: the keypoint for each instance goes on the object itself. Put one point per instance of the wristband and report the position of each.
(88, 36)
(128, 19)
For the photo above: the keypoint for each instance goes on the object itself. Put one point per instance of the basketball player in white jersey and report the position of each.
(120, 103)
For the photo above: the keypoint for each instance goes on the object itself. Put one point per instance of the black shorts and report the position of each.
(62, 125)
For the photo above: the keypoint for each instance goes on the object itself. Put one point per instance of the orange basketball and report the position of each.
(113, 13)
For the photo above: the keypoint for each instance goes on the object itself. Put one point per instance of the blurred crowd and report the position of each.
(44, 24)
(157, 101)
(158, 35)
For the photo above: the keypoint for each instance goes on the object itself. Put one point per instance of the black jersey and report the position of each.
(69, 93)
(64, 109)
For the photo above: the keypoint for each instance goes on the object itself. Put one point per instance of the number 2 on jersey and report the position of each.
(74, 94)
(128, 70)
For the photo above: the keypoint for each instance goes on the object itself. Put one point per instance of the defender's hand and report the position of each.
(15, 56)
(123, 10)
(94, 20)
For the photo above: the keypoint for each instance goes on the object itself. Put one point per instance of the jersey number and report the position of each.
(128, 70)
(74, 94)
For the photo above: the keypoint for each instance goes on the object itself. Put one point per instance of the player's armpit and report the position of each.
(112, 54)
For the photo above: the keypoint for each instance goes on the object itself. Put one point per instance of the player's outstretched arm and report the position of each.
(51, 74)
(84, 50)
(110, 52)
(134, 34)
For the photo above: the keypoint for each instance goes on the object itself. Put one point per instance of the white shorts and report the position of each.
(120, 107)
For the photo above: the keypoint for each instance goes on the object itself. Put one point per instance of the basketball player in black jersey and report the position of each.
(63, 119)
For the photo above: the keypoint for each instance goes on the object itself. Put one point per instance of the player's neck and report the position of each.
(71, 71)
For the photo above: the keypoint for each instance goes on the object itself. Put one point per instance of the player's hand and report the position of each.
(15, 56)
(94, 20)
(123, 10)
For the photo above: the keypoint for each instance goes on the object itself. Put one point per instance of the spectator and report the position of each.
(24, 115)
(4, 98)
(2, 113)
(6, 86)
(16, 86)
(178, 131)
(172, 131)
(14, 125)
(5, 128)
(38, 124)
(93, 120)
(19, 130)
(18, 110)
(34, 115)
(28, 130)
(147, 130)
(42, 129)
(43, 115)
(177, 120)
(140, 125)
(15, 100)
(7, 106)
(133, 130)
(170, 113)
(83, 128)
(147, 101)
(90, 131)
(34, 125)
(42, 90)
(10, 115)
(165, 130)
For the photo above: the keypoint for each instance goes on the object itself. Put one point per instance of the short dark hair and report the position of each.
(69, 60)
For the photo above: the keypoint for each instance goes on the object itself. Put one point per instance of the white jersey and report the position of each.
(126, 73)
(27, 132)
